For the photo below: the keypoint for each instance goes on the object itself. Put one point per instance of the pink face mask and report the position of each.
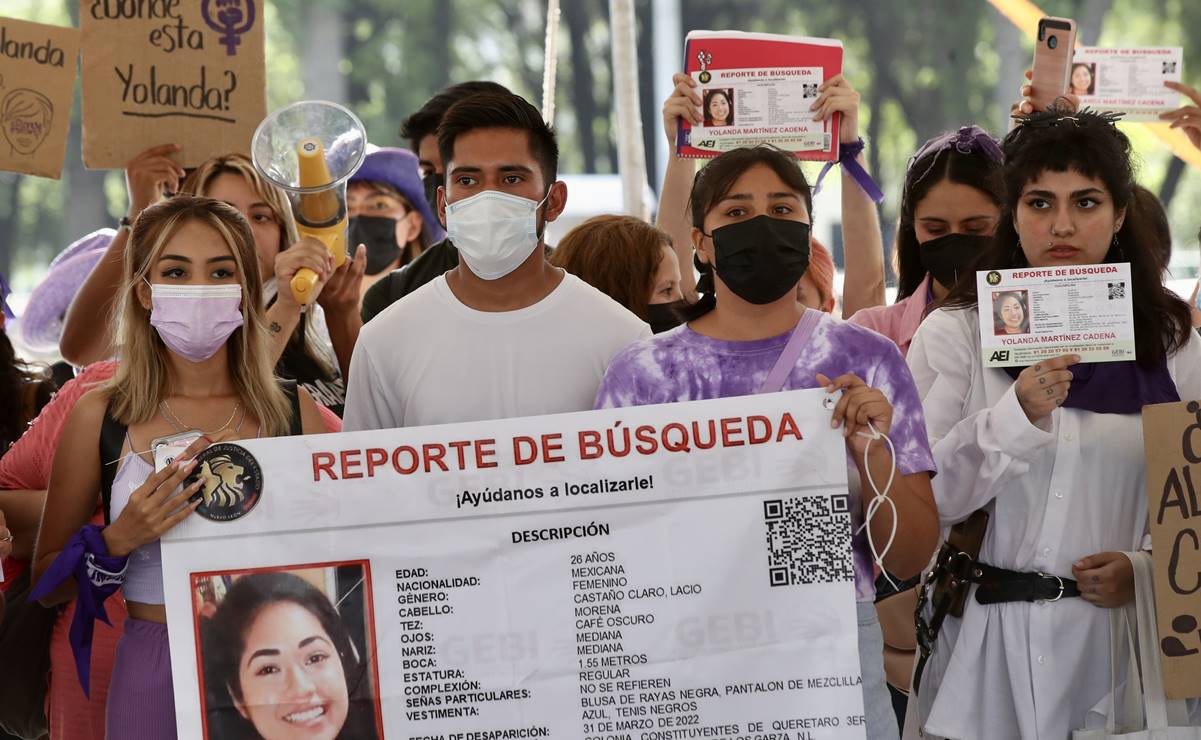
(195, 320)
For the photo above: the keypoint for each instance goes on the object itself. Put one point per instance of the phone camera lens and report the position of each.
(1052, 42)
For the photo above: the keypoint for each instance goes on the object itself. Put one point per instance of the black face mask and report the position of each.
(378, 234)
(431, 182)
(762, 259)
(949, 257)
(664, 316)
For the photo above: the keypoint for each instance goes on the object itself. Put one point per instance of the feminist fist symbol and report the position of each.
(234, 18)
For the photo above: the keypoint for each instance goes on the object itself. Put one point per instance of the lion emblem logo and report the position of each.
(222, 481)
(231, 482)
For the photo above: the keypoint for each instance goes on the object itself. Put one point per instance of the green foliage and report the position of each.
(922, 67)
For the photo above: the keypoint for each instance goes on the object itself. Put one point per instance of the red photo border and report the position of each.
(377, 700)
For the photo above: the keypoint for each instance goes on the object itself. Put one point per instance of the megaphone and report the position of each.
(309, 150)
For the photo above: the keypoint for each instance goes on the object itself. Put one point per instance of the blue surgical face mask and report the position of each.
(494, 232)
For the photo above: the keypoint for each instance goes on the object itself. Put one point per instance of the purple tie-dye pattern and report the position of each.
(681, 365)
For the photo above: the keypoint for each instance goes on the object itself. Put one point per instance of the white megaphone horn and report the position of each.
(309, 150)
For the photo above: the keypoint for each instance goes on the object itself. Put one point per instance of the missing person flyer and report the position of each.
(662, 571)
(1034, 313)
(757, 88)
(1127, 81)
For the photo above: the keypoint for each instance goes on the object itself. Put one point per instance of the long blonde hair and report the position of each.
(303, 340)
(200, 179)
(142, 378)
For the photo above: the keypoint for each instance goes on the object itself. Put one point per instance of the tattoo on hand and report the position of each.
(275, 328)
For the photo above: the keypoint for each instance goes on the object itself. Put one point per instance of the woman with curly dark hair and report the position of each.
(24, 390)
(1053, 452)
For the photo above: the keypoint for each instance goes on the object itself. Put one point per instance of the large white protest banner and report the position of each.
(656, 572)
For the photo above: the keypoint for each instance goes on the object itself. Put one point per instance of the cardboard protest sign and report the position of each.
(1172, 435)
(188, 72)
(37, 81)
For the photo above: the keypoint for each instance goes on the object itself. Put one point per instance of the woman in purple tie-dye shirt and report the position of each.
(750, 214)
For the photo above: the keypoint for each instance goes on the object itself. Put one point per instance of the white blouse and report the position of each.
(1055, 495)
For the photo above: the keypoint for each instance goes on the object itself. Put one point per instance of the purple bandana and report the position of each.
(98, 575)
(1116, 387)
(967, 140)
(846, 158)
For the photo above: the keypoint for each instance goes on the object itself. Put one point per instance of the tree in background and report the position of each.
(922, 67)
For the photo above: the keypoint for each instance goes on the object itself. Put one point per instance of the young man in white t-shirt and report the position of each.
(504, 334)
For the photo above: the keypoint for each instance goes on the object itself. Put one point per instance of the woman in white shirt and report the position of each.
(1054, 452)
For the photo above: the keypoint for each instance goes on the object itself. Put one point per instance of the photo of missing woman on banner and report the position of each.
(1009, 312)
(288, 652)
(1083, 79)
(719, 107)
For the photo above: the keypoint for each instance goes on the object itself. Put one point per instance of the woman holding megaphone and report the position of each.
(312, 348)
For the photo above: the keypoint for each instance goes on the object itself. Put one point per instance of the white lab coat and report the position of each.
(1055, 495)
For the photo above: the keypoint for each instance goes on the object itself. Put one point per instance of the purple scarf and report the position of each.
(846, 157)
(98, 575)
(1116, 387)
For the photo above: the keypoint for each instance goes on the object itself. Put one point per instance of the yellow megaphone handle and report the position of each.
(304, 282)
(304, 286)
(316, 212)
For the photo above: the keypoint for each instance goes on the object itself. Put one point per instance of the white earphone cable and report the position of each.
(879, 499)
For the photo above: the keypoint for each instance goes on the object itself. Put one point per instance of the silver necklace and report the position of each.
(179, 426)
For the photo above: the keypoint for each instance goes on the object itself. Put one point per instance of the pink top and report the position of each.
(26, 466)
(898, 322)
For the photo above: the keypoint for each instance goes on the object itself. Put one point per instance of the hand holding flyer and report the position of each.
(759, 88)
(1031, 314)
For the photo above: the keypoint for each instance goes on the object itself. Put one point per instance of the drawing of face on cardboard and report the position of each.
(25, 118)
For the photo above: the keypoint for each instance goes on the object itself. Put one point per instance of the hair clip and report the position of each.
(1082, 118)
(967, 140)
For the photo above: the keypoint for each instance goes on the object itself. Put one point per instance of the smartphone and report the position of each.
(166, 449)
(1052, 60)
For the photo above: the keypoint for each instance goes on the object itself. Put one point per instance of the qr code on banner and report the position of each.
(808, 539)
(1117, 291)
(809, 90)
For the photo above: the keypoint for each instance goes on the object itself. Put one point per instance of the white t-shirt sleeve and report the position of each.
(366, 406)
